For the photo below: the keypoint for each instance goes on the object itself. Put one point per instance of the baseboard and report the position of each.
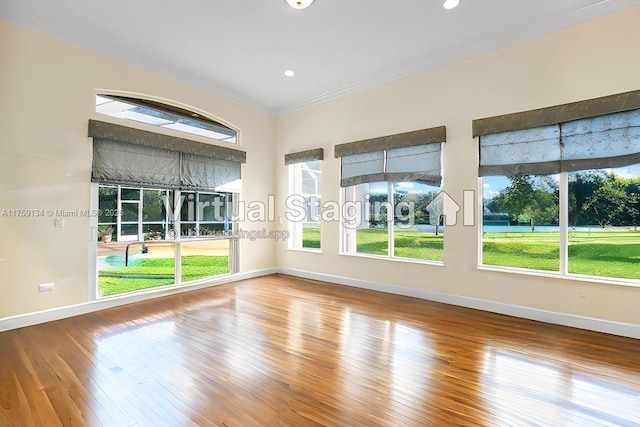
(598, 325)
(29, 319)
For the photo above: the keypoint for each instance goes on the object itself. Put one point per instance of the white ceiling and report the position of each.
(240, 49)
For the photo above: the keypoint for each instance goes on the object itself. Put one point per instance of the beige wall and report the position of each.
(47, 90)
(598, 58)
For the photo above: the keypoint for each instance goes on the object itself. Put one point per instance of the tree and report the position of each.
(436, 210)
(608, 202)
(582, 186)
(531, 198)
(378, 206)
(492, 205)
(632, 206)
(418, 202)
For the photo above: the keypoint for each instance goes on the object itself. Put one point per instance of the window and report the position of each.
(396, 220)
(564, 197)
(164, 214)
(520, 225)
(204, 213)
(305, 186)
(305, 199)
(163, 115)
(603, 219)
(392, 196)
(141, 249)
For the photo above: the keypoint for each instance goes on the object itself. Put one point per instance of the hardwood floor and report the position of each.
(283, 351)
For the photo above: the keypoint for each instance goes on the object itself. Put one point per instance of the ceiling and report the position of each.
(240, 49)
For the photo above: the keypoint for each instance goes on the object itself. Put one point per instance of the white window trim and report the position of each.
(346, 242)
(562, 273)
(296, 227)
(234, 251)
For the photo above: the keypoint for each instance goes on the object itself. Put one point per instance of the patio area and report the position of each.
(165, 248)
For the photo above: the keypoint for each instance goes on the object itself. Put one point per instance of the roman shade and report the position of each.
(199, 172)
(591, 134)
(606, 141)
(304, 156)
(412, 156)
(118, 162)
(558, 114)
(123, 155)
(362, 168)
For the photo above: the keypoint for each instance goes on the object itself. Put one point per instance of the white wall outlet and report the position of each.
(583, 293)
(47, 287)
(59, 223)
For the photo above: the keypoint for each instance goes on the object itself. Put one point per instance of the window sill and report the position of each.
(635, 283)
(308, 250)
(396, 259)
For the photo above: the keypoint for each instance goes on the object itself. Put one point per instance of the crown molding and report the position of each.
(479, 47)
(85, 41)
(494, 42)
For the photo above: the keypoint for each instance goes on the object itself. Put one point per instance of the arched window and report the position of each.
(163, 115)
(164, 202)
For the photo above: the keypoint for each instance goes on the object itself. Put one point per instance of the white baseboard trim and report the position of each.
(598, 325)
(29, 319)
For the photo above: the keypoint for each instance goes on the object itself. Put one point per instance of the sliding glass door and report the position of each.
(158, 237)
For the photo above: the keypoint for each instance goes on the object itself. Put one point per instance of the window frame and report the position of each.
(200, 125)
(555, 115)
(296, 228)
(563, 270)
(346, 242)
(173, 233)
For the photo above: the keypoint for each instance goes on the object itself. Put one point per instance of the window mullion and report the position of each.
(297, 189)
(140, 216)
(177, 226)
(390, 219)
(119, 217)
(564, 222)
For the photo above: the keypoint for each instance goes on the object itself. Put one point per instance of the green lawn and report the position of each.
(152, 272)
(408, 244)
(599, 253)
(605, 253)
(538, 251)
(311, 237)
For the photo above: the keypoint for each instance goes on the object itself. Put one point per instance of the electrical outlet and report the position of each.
(47, 287)
(583, 293)
(59, 223)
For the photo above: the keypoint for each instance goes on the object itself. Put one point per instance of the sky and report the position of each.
(410, 187)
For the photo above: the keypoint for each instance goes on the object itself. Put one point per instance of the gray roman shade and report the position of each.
(411, 156)
(362, 168)
(123, 155)
(199, 172)
(304, 156)
(605, 141)
(118, 162)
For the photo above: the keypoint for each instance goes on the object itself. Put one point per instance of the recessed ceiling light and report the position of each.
(289, 73)
(299, 4)
(450, 4)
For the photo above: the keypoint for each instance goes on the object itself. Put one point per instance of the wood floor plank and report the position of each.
(283, 351)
